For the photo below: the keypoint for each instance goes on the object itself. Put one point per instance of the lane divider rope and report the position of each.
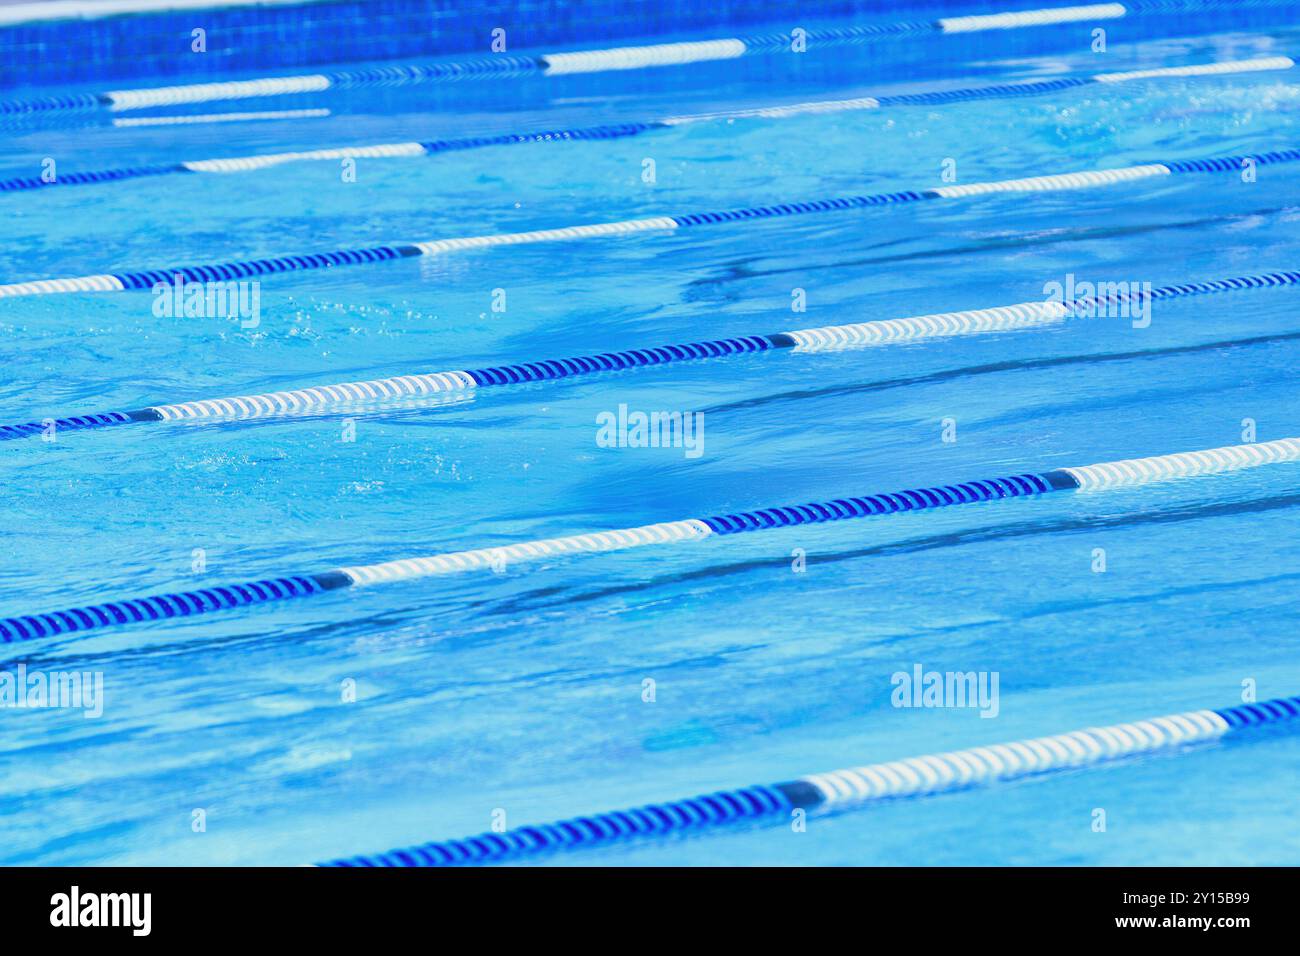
(326, 398)
(240, 164)
(852, 788)
(244, 269)
(1091, 477)
(555, 64)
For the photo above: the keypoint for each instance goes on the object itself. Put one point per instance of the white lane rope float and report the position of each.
(852, 788)
(21, 629)
(559, 64)
(152, 279)
(329, 399)
(241, 164)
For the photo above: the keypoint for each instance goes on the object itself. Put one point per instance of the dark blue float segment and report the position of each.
(1225, 164)
(614, 361)
(332, 580)
(940, 97)
(1260, 281)
(800, 793)
(156, 608)
(799, 208)
(1014, 486)
(656, 819)
(1239, 283)
(401, 75)
(78, 179)
(73, 101)
(72, 423)
(1060, 480)
(613, 131)
(225, 272)
(1265, 712)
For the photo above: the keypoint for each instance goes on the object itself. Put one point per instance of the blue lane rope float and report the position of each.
(245, 269)
(322, 399)
(239, 164)
(852, 788)
(1090, 477)
(554, 64)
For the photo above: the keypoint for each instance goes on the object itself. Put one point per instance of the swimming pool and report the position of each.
(543, 686)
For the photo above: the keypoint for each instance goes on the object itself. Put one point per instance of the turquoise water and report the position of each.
(523, 691)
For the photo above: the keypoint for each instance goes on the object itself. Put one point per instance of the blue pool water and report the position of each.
(523, 691)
